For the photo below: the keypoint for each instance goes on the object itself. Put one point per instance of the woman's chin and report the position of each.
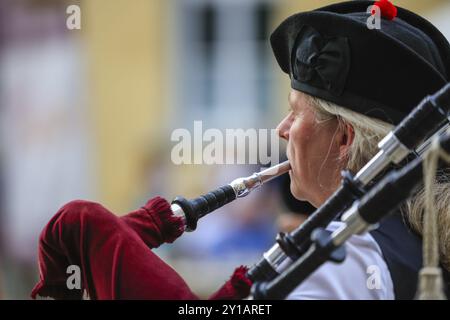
(298, 194)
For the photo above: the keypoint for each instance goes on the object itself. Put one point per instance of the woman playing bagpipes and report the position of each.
(351, 83)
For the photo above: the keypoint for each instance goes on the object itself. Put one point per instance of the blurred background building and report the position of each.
(89, 114)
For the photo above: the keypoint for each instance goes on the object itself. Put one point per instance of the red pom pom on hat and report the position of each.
(388, 10)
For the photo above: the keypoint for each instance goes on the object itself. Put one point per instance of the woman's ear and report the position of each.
(346, 139)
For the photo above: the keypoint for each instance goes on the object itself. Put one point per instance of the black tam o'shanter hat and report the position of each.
(331, 53)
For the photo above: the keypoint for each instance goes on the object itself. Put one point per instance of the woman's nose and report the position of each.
(283, 128)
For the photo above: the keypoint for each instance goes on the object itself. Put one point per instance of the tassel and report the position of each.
(430, 284)
(430, 276)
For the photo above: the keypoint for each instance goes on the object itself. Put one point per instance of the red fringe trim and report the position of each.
(171, 227)
(238, 287)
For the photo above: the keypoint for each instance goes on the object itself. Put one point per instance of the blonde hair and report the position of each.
(368, 132)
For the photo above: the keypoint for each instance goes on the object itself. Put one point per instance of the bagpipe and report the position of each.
(380, 201)
(292, 258)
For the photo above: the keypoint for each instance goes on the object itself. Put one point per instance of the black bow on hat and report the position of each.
(324, 62)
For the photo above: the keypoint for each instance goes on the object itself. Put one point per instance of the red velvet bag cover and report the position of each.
(114, 255)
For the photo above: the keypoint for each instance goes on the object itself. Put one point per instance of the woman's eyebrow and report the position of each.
(292, 105)
(290, 99)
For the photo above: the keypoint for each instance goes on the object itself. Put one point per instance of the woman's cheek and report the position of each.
(293, 136)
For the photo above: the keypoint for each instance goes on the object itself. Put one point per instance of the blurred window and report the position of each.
(221, 61)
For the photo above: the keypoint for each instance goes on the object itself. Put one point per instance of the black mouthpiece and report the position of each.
(196, 208)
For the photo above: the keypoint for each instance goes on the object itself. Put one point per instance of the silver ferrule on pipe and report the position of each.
(179, 213)
(275, 256)
(243, 186)
(352, 224)
(391, 151)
